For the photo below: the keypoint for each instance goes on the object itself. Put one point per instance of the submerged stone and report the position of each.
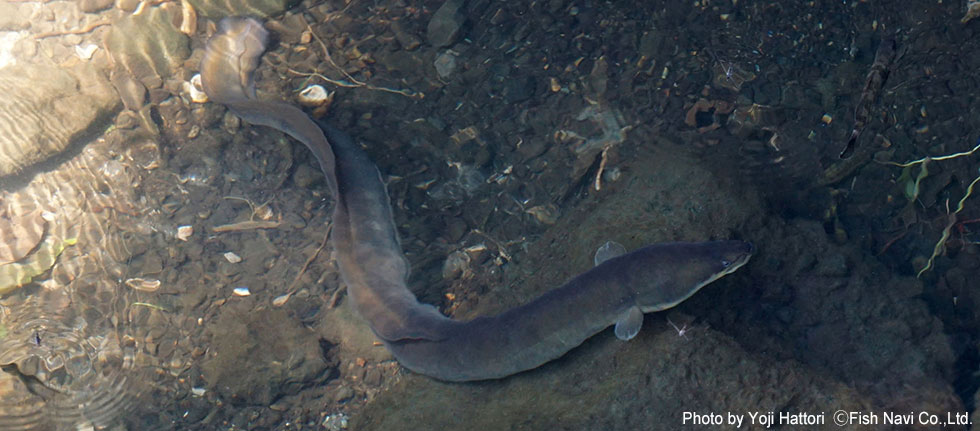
(15, 275)
(446, 23)
(217, 9)
(43, 116)
(148, 45)
(261, 355)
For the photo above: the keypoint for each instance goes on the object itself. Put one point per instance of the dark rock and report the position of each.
(518, 89)
(408, 40)
(306, 175)
(259, 355)
(446, 23)
(532, 148)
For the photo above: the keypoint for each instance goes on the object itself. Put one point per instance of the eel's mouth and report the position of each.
(739, 257)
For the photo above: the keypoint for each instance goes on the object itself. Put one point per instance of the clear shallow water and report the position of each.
(833, 287)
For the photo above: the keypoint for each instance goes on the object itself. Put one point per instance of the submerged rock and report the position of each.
(260, 355)
(446, 23)
(43, 116)
(149, 46)
(12, 17)
(19, 234)
(217, 9)
(15, 275)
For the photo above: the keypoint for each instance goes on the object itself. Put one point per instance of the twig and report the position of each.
(602, 167)
(335, 297)
(247, 225)
(83, 30)
(357, 84)
(281, 300)
(310, 260)
(151, 306)
(326, 53)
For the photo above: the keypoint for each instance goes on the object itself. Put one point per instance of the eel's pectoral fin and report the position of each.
(608, 251)
(629, 323)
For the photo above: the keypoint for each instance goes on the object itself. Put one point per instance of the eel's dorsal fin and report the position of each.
(608, 251)
(629, 323)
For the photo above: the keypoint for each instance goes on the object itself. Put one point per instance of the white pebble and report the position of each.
(195, 89)
(314, 95)
(241, 291)
(232, 257)
(85, 52)
(184, 232)
(280, 300)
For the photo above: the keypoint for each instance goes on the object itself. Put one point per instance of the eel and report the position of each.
(617, 291)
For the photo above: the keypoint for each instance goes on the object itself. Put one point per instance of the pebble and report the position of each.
(194, 89)
(314, 95)
(445, 64)
(335, 422)
(455, 265)
(372, 377)
(518, 89)
(241, 291)
(86, 52)
(343, 394)
(230, 122)
(127, 5)
(232, 257)
(305, 176)
(184, 232)
(407, 40)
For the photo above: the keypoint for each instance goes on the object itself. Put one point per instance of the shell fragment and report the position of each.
(232, 257)
(314, 95)
(241, 291)
(195, 90)
(184, 232)
(143, 284)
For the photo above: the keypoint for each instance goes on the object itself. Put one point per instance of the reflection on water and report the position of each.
(71, 345)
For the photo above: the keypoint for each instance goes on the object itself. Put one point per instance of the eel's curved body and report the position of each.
(615, 292)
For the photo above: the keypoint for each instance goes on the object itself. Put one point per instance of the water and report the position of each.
(562, 126)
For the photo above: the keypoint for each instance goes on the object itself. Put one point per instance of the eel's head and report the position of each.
(675, 271)
(230, 57)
